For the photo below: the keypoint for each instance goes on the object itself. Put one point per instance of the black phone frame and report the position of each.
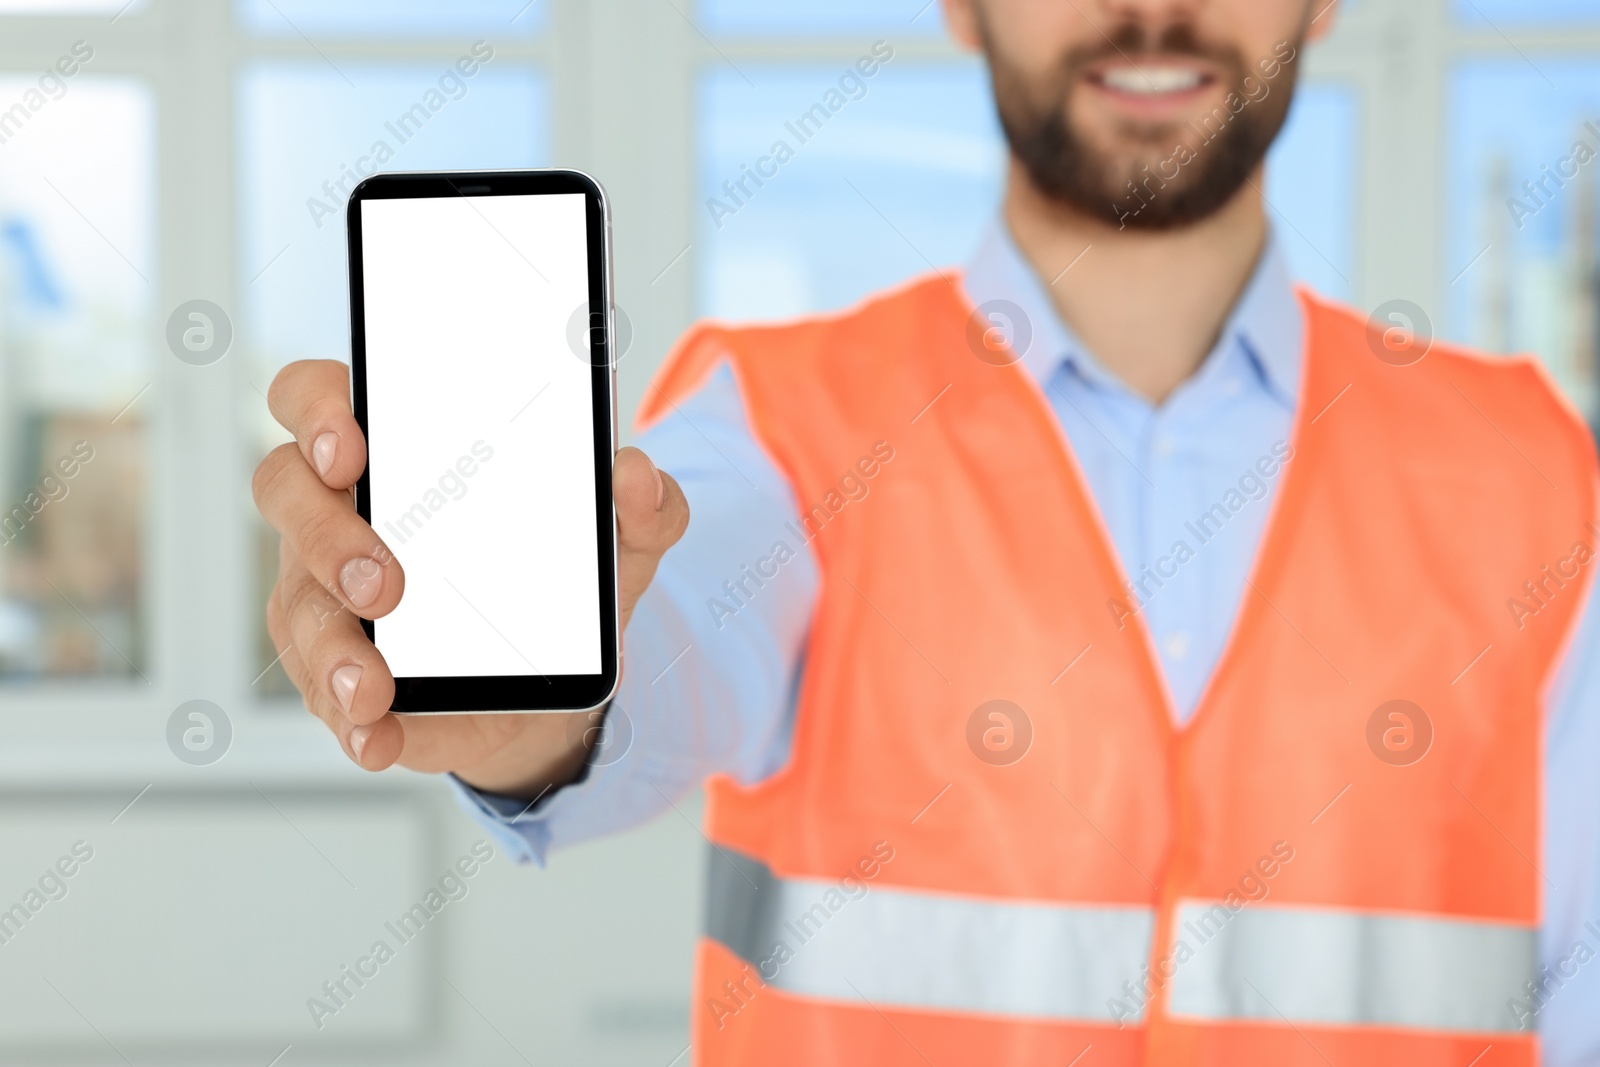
(517, 692)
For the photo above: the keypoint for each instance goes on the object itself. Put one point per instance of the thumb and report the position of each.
(651, 516)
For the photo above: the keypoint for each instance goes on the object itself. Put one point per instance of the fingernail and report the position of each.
(361, 579)
(661, 485)
(322, 450)
(358, 738)
(345, 680)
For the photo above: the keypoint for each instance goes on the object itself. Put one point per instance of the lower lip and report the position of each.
(1153, 105)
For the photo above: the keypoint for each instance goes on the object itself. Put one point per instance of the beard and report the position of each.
(1211, 164)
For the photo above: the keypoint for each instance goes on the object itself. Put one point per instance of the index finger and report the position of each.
(311, 399)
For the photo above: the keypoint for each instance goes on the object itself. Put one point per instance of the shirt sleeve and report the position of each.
(1565, 1006)
(712, 653)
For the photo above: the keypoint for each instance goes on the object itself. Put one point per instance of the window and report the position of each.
(77, 293)
(868, 180)
(201, 151)
(1524, 187)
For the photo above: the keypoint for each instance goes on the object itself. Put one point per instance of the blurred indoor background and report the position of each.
(197, 152)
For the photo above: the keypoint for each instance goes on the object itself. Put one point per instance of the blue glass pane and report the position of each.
(1523, 203)
(1311, 186)
(892, 182)
(819, 17)
(306, 136)
(390, 18)
(1485, 13)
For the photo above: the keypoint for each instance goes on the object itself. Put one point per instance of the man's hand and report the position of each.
(333, 570)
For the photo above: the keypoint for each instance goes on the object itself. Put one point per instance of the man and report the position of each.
(1141, 663)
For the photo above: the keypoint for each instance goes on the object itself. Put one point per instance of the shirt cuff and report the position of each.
(517, 826)
(522, 827)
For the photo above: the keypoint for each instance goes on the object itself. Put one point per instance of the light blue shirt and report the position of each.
(704, 692)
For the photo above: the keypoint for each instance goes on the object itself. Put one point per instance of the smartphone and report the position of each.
(481, 326)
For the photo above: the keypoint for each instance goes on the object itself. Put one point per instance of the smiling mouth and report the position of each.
(1152, 81)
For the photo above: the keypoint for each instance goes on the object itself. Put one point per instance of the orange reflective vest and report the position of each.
(992, 844)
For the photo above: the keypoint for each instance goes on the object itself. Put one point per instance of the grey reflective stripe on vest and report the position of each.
(895, 947)
(1312, 965)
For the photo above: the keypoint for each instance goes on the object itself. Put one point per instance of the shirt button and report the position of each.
(1164, 447)
(1176, 644)
(1231, 387)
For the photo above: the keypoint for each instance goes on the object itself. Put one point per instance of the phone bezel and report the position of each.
(515, 692)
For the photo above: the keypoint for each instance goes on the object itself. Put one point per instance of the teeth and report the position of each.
(1152, 80)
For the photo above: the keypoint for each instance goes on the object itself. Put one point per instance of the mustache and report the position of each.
(1134, 40)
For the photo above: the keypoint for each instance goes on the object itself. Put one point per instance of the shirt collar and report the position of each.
(1264, 331)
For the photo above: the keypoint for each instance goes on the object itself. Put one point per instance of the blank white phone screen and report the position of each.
(481, 433)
